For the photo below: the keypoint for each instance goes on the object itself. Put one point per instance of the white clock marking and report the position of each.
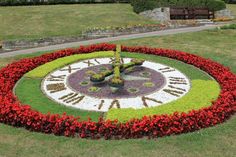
(56, 87)
(144, 100)
(69, 69)
(56, 78)
(166, 69)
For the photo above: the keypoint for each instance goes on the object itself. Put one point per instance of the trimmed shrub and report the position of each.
(231, 26)
(48, 2)
(215, 5)
(143, 5)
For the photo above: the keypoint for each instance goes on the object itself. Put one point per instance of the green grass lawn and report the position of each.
(28, 22)
(33, 22)
(219, 45)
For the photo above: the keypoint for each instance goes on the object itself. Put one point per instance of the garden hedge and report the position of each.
(12, 112)
(143, 5)
(51, 2)
(230, 26)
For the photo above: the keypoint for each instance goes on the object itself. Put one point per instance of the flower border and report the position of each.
(12, 112)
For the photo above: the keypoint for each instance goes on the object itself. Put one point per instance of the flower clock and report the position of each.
(99, 84)
(111, 91)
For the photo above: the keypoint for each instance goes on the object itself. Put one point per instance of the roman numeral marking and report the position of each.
(56, 87)
(89, 63)
(144, 99)
(175, 91)
(122, 60)
(97, 61)
(113, 103)
(112, 60)
(56, 78)
(166, 70)
(69, 69)
(177, 80)
(101, 104)
(73, 98)
(170, 86)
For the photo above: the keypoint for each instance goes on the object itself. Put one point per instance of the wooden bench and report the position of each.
(202, 13)
(191, 13)
(178, 13)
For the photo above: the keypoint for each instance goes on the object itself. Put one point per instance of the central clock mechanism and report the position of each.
(116, 82)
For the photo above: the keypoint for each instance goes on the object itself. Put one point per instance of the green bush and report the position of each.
(230, 1)
(45, 2)
(142, 5)
(232, 26)
(215, 5)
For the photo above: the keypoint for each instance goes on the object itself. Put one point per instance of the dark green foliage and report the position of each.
(232, 26)
(45, 2)
(215, 5)
(142, 5)
(230, 1)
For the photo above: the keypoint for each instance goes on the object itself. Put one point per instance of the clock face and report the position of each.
(149, 85)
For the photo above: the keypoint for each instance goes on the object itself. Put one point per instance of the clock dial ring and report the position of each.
(133, 81)
(176, 86)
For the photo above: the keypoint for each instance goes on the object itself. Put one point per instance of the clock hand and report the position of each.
(116, 81)
(100, 77)
(118, 68)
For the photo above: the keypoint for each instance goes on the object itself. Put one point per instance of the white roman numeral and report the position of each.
(177, 80)
(73, 98)
(166, 69)
(56, 78)
(144, 99)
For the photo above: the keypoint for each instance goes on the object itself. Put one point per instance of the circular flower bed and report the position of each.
(14, 113)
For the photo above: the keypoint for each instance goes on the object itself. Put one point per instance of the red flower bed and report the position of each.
(14, 113)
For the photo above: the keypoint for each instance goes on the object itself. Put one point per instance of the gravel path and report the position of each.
(110, 39)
